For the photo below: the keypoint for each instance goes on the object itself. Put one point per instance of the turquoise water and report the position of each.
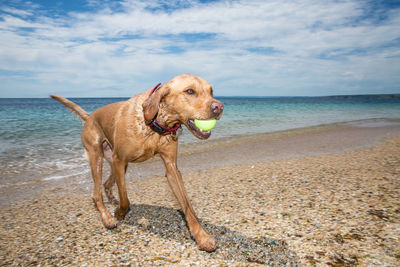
(40, 139)
(260, 115)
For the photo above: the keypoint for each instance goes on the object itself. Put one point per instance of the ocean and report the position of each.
(40, 139)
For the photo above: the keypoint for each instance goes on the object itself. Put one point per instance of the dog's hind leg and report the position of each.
(96, 165)
(91, 141)
(109, 183)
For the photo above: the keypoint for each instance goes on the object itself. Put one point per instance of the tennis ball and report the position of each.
(205, 125)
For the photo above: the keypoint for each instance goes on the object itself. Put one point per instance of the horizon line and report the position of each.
(397, 95)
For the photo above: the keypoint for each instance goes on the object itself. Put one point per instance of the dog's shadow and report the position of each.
(169, 223)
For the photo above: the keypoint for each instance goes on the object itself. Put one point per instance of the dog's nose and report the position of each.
(216, 108)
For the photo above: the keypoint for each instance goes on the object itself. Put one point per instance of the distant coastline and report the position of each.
(372, 96)
(361, 96)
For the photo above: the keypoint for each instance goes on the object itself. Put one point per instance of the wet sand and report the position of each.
(323, 195)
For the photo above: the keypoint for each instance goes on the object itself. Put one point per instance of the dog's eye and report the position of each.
(190, 91)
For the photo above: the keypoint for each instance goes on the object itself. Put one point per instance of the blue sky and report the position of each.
(103, 48)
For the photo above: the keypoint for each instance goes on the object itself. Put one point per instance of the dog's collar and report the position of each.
(158, 128)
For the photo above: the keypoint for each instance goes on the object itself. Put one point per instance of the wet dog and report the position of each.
(140, 128)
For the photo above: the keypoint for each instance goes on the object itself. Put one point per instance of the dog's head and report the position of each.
(182, 100)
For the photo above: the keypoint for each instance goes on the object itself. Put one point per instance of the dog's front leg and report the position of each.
(119, 168)
(203, 239)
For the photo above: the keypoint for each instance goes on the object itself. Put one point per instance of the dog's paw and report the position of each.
(110, 222)
(120, 213)
(207, 243)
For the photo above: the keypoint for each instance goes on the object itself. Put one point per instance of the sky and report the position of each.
(103, 48)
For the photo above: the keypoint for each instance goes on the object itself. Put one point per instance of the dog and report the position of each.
(140, 128)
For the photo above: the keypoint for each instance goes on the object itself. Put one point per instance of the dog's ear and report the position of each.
(150, 105)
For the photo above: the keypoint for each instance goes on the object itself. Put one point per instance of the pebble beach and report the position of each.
(325, 197)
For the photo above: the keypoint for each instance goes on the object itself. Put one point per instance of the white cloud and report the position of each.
(242, 47)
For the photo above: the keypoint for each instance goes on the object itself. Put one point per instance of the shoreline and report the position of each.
(327, 209)
(244, 149)
(204, 146)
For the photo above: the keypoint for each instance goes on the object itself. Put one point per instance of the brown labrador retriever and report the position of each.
(140, 128)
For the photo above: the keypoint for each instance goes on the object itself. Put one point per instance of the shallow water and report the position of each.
(40, 139)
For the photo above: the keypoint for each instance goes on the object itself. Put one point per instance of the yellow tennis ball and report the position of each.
(205, 125)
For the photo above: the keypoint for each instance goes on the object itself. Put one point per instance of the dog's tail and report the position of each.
(74, 108)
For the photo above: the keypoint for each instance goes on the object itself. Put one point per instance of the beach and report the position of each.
(302, 167)
(325, 195)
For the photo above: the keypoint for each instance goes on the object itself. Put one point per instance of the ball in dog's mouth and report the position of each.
(201, 128)
(205, 125)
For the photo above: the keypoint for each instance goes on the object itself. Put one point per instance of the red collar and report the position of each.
(158, 128)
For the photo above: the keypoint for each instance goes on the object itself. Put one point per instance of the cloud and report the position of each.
(241, 47)
(17, 12)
